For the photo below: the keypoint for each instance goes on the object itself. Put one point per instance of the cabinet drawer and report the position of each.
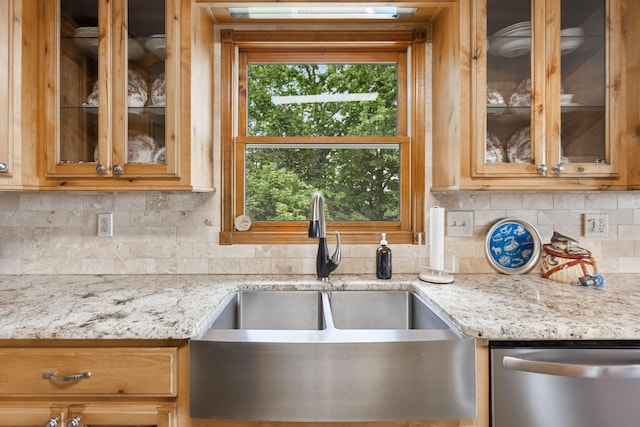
(113, 371)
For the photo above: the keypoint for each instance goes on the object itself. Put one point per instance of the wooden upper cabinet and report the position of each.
(540, 101)
(10, 80)
(118, 98)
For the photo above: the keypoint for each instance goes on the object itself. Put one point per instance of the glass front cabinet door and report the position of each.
(110, 89)
(547, 91)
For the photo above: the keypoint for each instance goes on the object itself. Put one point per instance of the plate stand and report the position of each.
(435, 276)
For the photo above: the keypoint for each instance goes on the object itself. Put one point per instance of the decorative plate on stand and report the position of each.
(513, 246)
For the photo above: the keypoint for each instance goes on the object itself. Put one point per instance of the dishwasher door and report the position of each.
(565, 387)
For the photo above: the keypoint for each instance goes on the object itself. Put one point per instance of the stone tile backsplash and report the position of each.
(177, 233)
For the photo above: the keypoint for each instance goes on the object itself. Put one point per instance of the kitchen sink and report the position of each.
(330, 356)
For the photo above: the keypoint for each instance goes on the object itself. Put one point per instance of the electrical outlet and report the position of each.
(460, 223)
(596, 225)
(105, 225)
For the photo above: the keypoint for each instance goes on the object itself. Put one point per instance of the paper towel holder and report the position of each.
(433, 275)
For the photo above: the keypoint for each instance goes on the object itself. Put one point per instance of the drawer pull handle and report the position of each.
(74, 422)
(53, 422)
(65, 379)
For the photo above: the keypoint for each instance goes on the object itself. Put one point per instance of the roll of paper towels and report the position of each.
(436, 238)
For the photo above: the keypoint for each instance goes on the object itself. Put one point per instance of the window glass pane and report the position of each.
(360, 182)
(322, 100)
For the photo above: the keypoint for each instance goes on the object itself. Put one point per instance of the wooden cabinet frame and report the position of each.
(459, 129)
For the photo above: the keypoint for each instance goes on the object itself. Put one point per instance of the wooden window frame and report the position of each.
(410, 137)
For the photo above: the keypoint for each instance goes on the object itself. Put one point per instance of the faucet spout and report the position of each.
(325, 264)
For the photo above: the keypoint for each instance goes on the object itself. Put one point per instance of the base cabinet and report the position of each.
(86, 415)
(90, 386)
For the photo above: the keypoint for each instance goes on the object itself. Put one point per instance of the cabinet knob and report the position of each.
(101, 168)
(542, 170)
(558, 168)
(117, 169)
(4, 167)
(73, 422)
(53, 422)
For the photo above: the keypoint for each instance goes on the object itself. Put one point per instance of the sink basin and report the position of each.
(293, 310)
(337, 356)
(382, 310)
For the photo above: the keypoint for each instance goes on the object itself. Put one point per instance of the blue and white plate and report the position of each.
(513, 246)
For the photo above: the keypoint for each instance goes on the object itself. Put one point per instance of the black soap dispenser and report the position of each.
(383, 259)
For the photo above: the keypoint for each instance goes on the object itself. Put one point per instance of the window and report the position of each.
(329, 115)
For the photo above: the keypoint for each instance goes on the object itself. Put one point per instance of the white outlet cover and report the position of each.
(105, 225)
(596, 225)
(460, 223)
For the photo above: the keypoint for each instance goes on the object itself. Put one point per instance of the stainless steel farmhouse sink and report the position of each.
(330, 356)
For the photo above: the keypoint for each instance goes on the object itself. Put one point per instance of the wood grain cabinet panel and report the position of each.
(136, 372)
(112, 415)
(127, 386)
(17, 161)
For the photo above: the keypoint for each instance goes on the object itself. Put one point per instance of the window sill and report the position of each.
(301, 237)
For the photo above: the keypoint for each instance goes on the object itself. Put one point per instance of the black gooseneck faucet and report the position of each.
(325, 264)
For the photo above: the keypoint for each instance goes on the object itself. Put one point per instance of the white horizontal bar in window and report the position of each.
(283, 12)
(382, 146)
(323, 97)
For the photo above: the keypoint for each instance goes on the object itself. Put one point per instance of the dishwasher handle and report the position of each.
(602, 369)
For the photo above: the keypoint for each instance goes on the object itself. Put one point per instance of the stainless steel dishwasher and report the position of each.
(565, 384)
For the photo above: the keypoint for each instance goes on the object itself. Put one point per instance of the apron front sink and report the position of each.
(330, 356)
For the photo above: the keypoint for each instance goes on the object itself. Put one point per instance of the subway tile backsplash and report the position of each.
(177, 233)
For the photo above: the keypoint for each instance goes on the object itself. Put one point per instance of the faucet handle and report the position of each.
(337, 253)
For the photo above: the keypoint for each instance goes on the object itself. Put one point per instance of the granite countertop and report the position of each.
(140, 307)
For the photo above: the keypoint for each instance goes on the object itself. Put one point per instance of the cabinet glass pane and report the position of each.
(582, 48)
(78, 94)
(146, 76)
(508, 81)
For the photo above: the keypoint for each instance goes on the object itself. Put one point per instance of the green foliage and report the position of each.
(359, 184)
(276, 194)
(367, 118)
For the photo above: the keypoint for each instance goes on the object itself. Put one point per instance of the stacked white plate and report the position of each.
(514, 28)
(86, 38)
(512, 41)
(515, 40)
(157, 45)
(570, 40)
(135, 49)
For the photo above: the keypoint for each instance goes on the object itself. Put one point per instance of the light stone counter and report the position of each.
(139, 307)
